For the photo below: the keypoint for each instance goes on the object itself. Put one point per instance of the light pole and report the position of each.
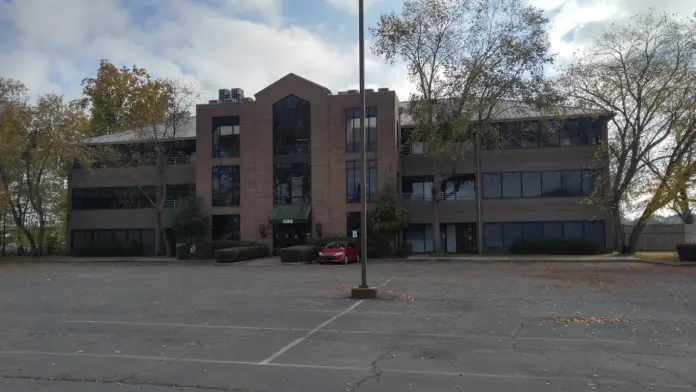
(363, 151)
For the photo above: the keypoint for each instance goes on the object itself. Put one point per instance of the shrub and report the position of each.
(296, 254)
(241, 253)
(404, 251)
(183, 251)
(323, 241)
(686, 252)
(206, 250)
(554, 246)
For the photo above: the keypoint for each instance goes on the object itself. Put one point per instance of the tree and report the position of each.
(644, 72)
(40, 140)
(390, 216)
(471, 61)
(154, 111)
(188, 221)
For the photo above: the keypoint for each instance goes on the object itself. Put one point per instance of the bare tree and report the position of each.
(471, 61)
(645, 73)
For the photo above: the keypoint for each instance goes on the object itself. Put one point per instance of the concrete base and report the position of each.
(363, 293)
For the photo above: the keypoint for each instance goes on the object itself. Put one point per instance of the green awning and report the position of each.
(290, 213)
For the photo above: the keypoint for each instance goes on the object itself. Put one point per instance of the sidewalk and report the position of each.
(529, 258)
(69, 259)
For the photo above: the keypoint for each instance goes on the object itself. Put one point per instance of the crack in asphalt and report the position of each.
(665, 370)
(135, 383)
(514, 336)
(376, 374)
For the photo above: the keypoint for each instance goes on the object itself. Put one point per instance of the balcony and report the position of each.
(180, 159)
(461, 195)
(171, 203)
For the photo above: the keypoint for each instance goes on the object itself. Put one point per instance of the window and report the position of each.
(180, 191)
(531, 184)
(589, 178)
(551, 184)
(110, 198)
(520, 134)
(460, 187)
(225, 186)
(354, 133)
(511, 185)
(226, 137)
(502, 235)
(225, 227)
(133, 242)
(571, 183)
(291, 126)
(492, 186)
(352, 223)
(417, 187)
(292, 183)
(353, 178)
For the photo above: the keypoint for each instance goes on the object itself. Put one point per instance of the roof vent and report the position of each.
(383, 89)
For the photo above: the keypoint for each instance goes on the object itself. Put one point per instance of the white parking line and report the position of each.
(346, 368)
(349, 332)
(308, 334)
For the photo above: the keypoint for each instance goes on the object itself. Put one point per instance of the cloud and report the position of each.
(194, 41)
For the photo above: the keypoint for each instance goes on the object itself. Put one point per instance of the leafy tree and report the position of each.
(645, 73)
(188, 221)
(40, 140)
(390, 216)
(154, 111)
(471, 62)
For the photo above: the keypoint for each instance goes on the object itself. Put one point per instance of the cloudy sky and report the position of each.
(51, 45)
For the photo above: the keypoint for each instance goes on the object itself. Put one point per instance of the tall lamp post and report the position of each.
(363, 291)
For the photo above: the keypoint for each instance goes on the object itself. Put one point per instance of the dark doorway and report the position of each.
(285, 235)
(466, 238)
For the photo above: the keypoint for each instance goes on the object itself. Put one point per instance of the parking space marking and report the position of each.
(308, 334)
(179, 325)
(348, 368)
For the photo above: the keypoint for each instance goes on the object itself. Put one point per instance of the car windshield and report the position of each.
(335, 245)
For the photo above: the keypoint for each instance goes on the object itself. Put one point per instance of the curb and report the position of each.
(670, 264)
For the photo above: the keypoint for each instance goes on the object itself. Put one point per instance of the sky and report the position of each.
(51, 45)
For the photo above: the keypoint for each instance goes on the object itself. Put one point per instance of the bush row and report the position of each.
(686, 252)
(299, 253)
(554, 246)
(113, 249)
(206, 250)
(241, 253)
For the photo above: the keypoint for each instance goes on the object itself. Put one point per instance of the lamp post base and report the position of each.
(363, 293)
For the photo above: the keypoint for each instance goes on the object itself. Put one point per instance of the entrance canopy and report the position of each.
(290, 213)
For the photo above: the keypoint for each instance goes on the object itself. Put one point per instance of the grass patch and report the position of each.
(662, 257)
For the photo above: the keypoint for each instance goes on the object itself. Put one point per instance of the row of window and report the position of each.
(111, 198)
(354, 134)
(502, 235)
(354, 179)
(140, 241)
(556, 183)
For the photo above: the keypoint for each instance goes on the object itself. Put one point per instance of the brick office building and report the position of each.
(286, 166)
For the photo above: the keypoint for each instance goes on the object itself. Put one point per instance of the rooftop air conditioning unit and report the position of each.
(224, 95)
(247, 99)
(383, 89)
(214, 101)
(370, 90)
(237, 94)
(343, 93)
(353, 91)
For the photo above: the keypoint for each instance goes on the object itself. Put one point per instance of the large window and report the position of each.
(532, 134)
(226, 137)
(180, 191)
(459, 187)
(354, 133)
(225, 227)
(292, 183)
(539, 184)
(111, 198)
(291, 126)
(135, 242)
(502, 235)
(353, 178)
(225, 186)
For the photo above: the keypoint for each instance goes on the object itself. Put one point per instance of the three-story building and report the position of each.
(285, 166)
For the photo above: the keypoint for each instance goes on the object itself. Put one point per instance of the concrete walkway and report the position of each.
(518, 258)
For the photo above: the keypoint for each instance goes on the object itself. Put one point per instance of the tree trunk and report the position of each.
(619, 236)
(163, 232)
(437, 240)
(42, 232)
(635, 234)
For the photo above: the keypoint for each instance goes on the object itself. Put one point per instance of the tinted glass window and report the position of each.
(551, 184)
(354, 177)
(226, 227)
(225, 186)
(553, 229)
(531, 184)
(226, 136)
(511, 232)
(354, 133)
(572, 230)
(571, 182)
(292, 183)
(291, 126)
(492, 187)
(588, 182)
(493, 235)
(512, 185)
(594, 231)
(533, 230)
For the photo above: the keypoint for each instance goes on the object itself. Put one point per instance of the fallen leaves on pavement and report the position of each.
(585, 320)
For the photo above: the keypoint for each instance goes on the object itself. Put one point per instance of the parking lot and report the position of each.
(439, 326)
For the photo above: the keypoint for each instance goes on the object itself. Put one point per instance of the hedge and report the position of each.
(553, 246)
(686, 252)
(206, 250)
(183, 251)
(234, 255)
(299, 253)
(114, 249)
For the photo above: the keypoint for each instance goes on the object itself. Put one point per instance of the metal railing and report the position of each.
(180, 160)
(171, 203)
(469, 195)
(422, 148)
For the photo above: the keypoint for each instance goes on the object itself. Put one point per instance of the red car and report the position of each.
(339, 252)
